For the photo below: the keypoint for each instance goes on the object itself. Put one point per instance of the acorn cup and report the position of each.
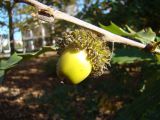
(82, 53)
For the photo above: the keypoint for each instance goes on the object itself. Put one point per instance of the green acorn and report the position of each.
(83, 53)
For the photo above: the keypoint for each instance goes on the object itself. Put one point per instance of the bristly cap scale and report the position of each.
(97, 50)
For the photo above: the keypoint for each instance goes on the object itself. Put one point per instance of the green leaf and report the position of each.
(130, 30)
(14, 59)
(145, 36)
(158, 58)
(130, 55)
(157, 38)
(2, 73)
(115, 29)
(34, 54)
(5, 64)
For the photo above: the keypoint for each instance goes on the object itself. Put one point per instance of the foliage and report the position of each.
(15, 58)
(145, 36)
(137, 14)
(130, 55)
(127, 55)
(37, 53)
(7, 64)
(145, 11)
(144, 106)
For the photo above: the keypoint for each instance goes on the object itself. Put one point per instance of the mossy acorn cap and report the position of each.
(98, 52)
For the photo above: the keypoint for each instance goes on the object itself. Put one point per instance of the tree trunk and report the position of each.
(11, 29)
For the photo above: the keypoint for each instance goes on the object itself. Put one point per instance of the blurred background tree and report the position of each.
(136, 13)
(16, 16)
(7, 7)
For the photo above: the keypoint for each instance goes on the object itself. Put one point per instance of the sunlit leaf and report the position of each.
(130, 30)
(145, 36)
(14, 59)
(115, 29)
(34, 54)
(158, 57)
(5, 64)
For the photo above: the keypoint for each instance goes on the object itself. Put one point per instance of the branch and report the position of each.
(52, 14)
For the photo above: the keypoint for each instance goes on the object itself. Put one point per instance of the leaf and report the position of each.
(145, 36)
(34, 54)
(115, 29)
(2, 73)
(158, 58)
(5, 64)
(130, 55)
(157, 38)
(130, 30)
(14, 59)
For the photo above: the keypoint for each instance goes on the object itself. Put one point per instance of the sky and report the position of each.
(3, 17)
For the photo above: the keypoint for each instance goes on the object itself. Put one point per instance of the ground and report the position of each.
(23, 81)
(28, 82)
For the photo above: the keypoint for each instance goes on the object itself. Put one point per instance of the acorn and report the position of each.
(83, 53)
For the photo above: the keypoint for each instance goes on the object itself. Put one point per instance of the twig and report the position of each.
(46, 11)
